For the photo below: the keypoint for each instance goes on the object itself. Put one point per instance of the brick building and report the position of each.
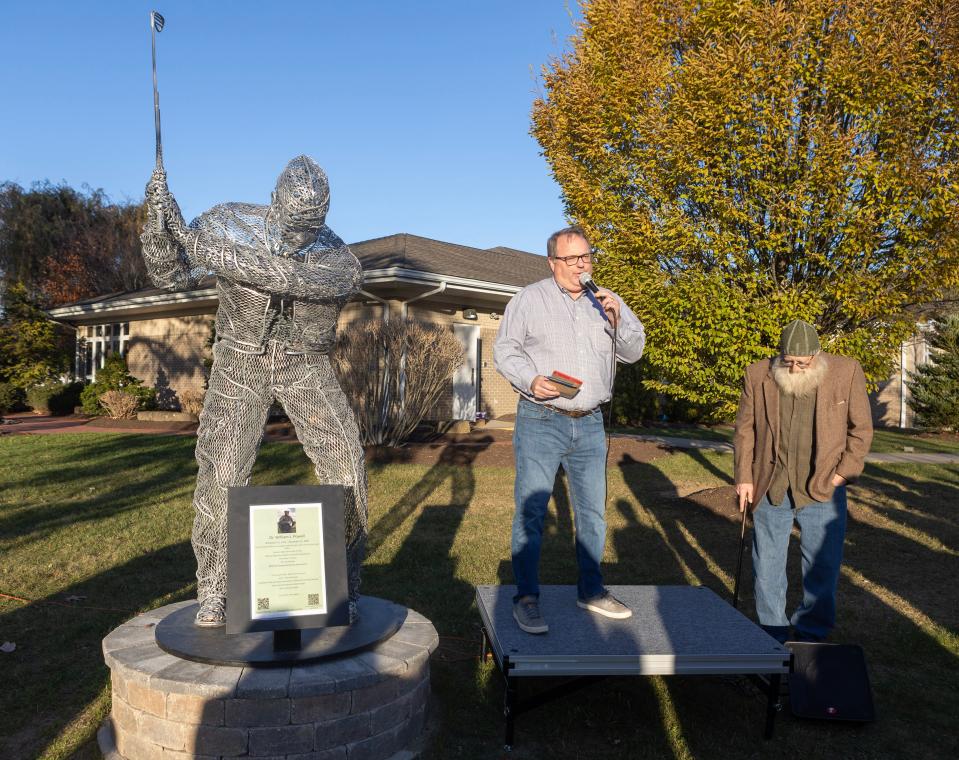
(165, 336)
(891, 400)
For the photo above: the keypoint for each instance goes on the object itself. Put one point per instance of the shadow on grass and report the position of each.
(920, 567)
(677, 547)
(455, 463)
(422, 573)
(117, 472)
(698, 455)
(557, 560)
(678, 540)
(128, 468)
(925, 499)
(703, 542)
(58, 662)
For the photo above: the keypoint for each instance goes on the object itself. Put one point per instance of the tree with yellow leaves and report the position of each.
(740, 164)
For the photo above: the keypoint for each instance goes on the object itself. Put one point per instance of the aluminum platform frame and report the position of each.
(674, 630)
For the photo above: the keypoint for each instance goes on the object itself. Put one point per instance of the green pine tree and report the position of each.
(935, 386)
(33, 349)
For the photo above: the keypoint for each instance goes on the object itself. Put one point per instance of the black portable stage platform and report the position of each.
(674, 630)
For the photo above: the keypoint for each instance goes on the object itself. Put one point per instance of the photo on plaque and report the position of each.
(287, 521)
(286, 560)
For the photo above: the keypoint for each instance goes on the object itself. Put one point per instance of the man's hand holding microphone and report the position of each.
(606, 299)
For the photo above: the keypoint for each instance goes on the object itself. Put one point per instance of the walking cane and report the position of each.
(739, 559)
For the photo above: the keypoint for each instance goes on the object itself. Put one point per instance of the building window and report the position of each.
(96, 343)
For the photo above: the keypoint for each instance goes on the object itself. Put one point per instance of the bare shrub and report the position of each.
(393, 373)
(120, 405)
(191, 402)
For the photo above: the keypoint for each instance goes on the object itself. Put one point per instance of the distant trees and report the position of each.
(935, 386)
(63, 245)
(57, 245)
(742, 164)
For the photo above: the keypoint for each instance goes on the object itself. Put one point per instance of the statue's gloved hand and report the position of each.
(154, 224)
(156, 195)
(156, 189)
(173, 218)
(162, 208)
(157, 179)
(161, 254)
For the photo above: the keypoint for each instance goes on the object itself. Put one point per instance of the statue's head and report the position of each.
(300, 201)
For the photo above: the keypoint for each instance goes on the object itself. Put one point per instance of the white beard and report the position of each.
(799, 384)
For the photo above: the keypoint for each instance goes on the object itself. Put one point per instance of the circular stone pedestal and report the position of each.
(369, 705)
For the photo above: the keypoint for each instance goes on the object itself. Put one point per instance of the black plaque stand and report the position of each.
(287, 641)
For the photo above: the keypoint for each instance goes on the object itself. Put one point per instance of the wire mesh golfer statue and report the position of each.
(282, 278)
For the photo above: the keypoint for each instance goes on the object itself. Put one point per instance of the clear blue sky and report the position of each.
(418, 111)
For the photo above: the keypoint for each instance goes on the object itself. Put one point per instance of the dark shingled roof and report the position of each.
(506, 266)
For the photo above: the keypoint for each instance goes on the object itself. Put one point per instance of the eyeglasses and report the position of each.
(571, 261)
(798, 363)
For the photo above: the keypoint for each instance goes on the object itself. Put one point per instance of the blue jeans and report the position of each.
(542, 441)
(822, 528)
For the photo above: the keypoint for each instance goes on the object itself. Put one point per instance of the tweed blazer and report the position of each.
(842, 430)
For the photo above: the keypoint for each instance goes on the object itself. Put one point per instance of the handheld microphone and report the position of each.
(587, 282)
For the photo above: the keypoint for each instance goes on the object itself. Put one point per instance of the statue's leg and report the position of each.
(231, 428)
(325, 425)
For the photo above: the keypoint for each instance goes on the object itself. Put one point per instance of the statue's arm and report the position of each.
(312, 281)
(331, 275)
(167, 261)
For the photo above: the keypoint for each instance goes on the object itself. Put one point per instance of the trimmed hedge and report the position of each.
(54, 398)
(12, 398)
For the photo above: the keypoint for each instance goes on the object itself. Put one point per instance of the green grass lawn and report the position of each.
(892, 440)
(96, 528)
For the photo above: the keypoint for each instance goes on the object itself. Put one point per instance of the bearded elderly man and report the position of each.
(802, 433)
(555, 325)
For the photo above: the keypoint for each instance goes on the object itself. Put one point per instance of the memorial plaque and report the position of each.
(286, 559)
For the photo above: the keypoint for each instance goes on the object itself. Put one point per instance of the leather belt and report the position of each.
(569, 412)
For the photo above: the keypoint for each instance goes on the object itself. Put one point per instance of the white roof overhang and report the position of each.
(206, 299)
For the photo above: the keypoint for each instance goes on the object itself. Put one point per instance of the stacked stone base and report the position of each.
(368, 706)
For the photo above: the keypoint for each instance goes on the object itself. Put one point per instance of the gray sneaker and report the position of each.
(607, 605)
(526, 613)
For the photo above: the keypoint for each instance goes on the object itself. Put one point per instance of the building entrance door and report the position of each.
(466, 379)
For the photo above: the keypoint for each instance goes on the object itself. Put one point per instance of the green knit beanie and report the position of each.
(799, 339)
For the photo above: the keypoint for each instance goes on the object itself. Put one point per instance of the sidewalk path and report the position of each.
(679, 443)
(918, 457)
(20, 423)
(26, 423)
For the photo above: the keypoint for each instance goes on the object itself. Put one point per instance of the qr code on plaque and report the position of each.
(313, 599)
(262, 603)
